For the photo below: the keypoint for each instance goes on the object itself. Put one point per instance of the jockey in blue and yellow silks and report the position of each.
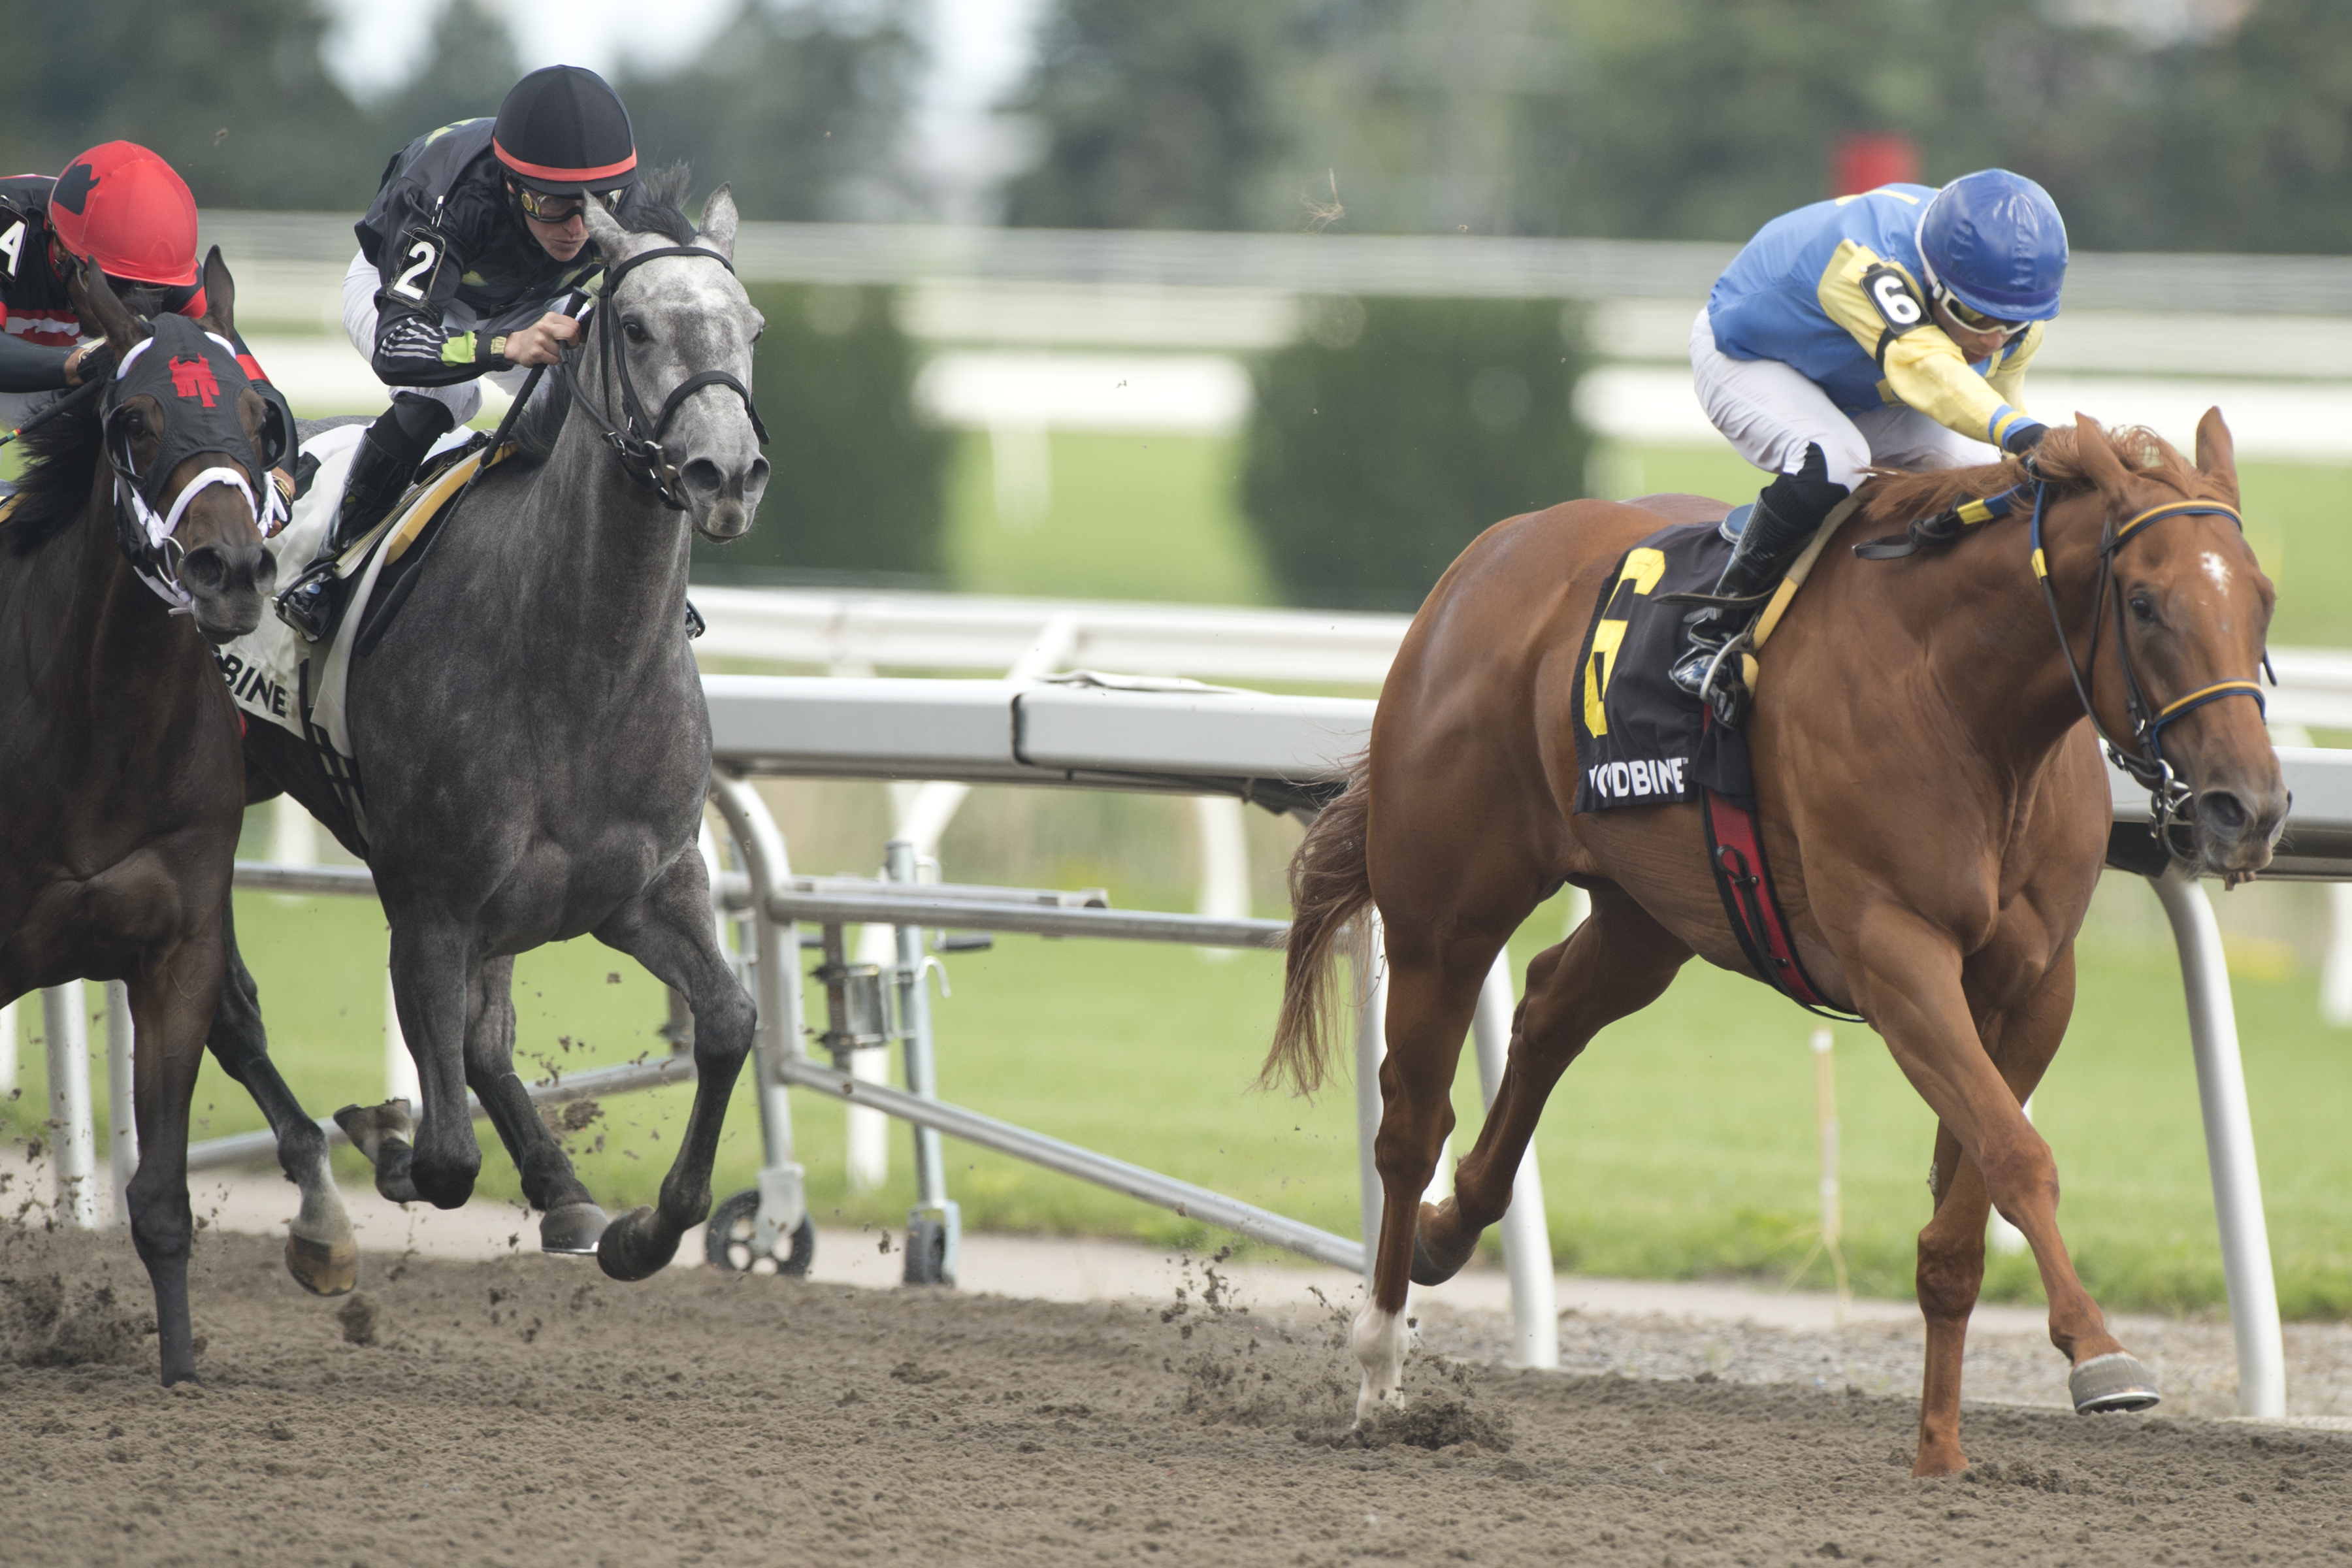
(1891, 327)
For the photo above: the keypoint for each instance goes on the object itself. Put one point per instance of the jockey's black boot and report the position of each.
(1789, 512)
(380, 473)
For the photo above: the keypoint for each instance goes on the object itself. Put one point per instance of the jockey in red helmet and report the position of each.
(477, 234)
(118, 205)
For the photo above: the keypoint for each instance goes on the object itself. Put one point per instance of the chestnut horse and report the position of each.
(124, 786)
(1932, 802)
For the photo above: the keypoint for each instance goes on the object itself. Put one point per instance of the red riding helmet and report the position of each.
(123, 206)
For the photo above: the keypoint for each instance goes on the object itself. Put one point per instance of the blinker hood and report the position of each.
(194, 378)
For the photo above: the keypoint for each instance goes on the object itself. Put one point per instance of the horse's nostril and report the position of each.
(2222, 813)
(702, 476)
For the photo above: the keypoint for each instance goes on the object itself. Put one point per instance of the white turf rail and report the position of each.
(1194, 741)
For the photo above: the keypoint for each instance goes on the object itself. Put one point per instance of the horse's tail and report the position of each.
(1330, 885)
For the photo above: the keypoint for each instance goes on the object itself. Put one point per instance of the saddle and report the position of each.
(1641, 741)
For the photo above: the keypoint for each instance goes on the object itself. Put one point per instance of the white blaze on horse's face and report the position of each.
(678, 317)
(2217, 568)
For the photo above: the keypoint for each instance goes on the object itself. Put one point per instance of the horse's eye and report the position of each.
(2143, 607)
(633, 331)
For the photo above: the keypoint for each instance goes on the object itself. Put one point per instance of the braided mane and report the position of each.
(1895, 496)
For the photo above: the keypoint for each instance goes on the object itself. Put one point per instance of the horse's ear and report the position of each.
(2101, 461)
(220, 294)
(612, 240)
(94, 301)
(719, 221)
(2217, 454)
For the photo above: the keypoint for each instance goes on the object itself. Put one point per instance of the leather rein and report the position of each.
(636, 436)
(2144, 759)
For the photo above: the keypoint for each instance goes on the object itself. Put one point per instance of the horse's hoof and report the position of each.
(2110, 1382)
(631, 1248)
(1435, 1265)
(323, 1268)
(573, 1229)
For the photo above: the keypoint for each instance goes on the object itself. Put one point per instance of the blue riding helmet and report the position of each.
(1994, 241)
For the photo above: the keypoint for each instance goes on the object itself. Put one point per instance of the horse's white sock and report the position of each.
(1380, 1339)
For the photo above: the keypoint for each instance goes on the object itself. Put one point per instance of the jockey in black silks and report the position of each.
(124, 207)
(477, 234)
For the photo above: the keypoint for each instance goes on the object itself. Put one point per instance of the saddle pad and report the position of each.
(1639, 739)
(264, 669)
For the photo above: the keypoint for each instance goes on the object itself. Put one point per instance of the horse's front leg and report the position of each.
(431, 971)
(571, 1221)
(1907, 979)
(667, 929)
(171, 1005)
(321, 1251)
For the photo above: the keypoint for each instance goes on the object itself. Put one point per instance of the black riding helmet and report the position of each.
(562, 129)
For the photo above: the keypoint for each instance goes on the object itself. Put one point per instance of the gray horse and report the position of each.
(533, 750)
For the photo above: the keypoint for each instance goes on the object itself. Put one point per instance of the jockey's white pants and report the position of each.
(1771, 412)
(361, 280)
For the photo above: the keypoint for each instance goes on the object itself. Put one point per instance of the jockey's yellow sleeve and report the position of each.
(1881, 304)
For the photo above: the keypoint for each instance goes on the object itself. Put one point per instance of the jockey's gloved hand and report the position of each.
(2023, 438)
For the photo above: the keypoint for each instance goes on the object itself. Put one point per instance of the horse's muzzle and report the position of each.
(230, 584)
(724, 503)
(2237, 828)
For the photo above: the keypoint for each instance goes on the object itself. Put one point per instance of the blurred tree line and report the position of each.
(2229, 130)
(800, 104)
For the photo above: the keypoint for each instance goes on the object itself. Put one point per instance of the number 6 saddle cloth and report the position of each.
(1640, 740)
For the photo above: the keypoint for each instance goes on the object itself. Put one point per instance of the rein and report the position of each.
(2144, 760)
(636, 437)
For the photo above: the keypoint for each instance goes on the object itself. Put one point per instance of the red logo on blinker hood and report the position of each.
(193, 378)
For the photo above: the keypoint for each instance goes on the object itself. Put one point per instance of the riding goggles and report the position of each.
(563, 209)
(1975, 320)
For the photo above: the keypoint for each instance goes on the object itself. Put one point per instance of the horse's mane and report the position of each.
(656, 210)
(61, 461)
(1894, 497)
(63, 455)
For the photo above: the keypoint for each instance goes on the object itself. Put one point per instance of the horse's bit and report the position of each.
(2168, 799)
(635, 439)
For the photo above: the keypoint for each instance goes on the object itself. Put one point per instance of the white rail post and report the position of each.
(399, 1065)
(293, 833)
(2336, 969)
(1372, 982)
(776, 992)
(1224, 864)
(1526, 1231)
(121, 1108)
(2228, 1148)
(8, 1049)
(72, 1140)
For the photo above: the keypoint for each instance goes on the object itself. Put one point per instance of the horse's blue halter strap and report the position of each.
(2146, 760)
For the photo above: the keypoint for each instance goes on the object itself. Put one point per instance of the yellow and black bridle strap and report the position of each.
(2175, 508)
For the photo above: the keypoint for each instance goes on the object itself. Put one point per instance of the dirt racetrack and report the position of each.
(529, 1411)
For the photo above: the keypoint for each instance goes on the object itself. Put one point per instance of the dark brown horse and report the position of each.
(121, 782)
(1933, 804)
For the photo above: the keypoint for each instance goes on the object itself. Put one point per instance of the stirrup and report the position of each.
(309, 604)
(1716, 677)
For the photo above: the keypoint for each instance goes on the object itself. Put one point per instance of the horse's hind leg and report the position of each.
(321, 1251)
(570, 1221)
(170, 1006)
(1433, 991)
(667, 929)
(1618, 962)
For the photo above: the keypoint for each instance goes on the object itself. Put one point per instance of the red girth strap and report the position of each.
(1735, 852)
